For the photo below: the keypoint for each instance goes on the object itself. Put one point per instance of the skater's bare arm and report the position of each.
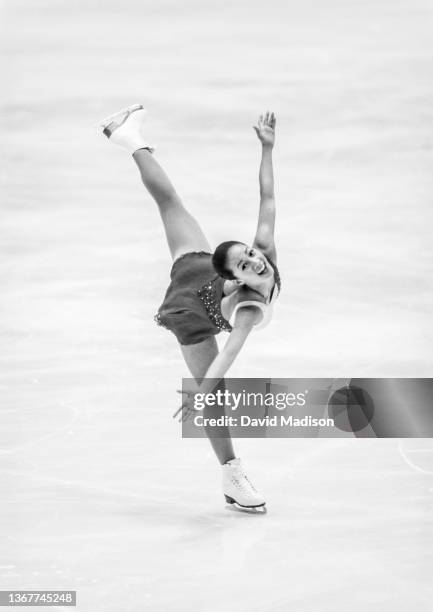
(246, 317)
(264, 239)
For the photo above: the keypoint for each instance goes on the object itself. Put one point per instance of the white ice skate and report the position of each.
(125, 128)
(237, 488)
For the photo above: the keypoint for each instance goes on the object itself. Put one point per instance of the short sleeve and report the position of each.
(246, 298)
(263, 307)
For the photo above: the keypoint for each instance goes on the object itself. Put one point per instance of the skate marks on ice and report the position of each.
(327, 503)
(417, 453)
(338, 517)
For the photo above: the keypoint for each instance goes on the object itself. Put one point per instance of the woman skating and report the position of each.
(231, 290)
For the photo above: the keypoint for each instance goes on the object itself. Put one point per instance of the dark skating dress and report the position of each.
(192, 304)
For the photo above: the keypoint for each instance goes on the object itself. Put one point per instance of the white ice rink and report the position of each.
(99, 493)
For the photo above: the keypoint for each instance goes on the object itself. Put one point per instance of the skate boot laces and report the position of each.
(241, 481)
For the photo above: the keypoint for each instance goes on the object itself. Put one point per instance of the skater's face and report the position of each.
(248, 264)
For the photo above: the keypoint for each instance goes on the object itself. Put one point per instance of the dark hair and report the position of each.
(219, 259)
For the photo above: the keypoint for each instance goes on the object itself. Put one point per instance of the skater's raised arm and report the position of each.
(264, 239)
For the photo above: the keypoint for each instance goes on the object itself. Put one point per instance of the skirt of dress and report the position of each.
(192, 304)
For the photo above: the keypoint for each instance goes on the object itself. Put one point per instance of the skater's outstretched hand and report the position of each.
(265, 129)
(187, 409)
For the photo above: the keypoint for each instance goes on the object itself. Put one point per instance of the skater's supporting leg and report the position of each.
(198, 358)
(183, 232)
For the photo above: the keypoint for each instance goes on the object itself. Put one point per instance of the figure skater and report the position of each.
(231, 290)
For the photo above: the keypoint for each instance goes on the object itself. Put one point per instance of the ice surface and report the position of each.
(99, 492)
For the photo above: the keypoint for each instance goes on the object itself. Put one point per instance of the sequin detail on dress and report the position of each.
(208, 296)
(157, 319)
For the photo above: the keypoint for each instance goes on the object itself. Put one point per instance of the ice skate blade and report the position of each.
(233, 505)
(257, 510)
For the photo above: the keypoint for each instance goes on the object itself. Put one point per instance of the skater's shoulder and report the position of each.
(245, 293)
(245, 296)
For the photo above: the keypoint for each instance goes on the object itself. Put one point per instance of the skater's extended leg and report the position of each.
(126, 129)
(198, 358)
(183, 232)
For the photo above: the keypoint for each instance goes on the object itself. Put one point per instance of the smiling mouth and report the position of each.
(263, 269)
